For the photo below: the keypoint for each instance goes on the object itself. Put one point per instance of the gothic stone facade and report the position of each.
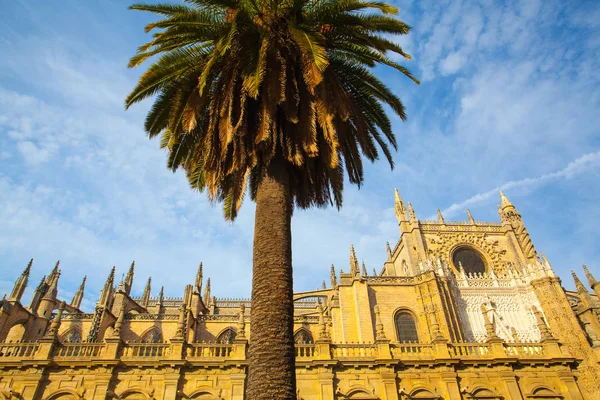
(460, 310)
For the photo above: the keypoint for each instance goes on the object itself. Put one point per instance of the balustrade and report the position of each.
(354, 351)
(209, 350)
(411, 350)
(523, 350)
(305, 350)
(77, 350)
(18, 350)
(145, 350)
(460, 350)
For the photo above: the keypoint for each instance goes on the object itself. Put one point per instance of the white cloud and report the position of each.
(452, 63)
(33, 154)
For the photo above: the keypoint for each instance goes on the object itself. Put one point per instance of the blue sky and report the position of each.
(509, 101)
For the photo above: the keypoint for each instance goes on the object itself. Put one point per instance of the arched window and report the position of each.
(303, 337)
(227, 336)
(152, 336)
(71, 336)
(406, 328)
(471, 261)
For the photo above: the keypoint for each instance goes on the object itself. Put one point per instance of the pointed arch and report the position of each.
(72, 335)
(405, 324)
(227, 336)
(16, 332)
(303, 336)
(152, 335)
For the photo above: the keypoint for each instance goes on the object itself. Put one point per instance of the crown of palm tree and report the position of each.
(239, 83)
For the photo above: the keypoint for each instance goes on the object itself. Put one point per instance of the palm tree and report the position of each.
(275, 96)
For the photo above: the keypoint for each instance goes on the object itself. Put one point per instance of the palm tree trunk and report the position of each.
(271, 371)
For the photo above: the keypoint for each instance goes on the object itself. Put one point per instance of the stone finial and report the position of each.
(21, 283)
(364, 269)
(504, 202)
(586, 299)
(129, 278)
(55, 325)
(541, 324)
(515, 335)
(207, 293)
(76, 302)
(389, 250)
(353, 262)
(333, 277)
(374, 272)
(379, 332)
(198, 283)
(440, 216)
(146, 294)
(591, 280)
(399, 207)
(52, 291)
(411, 213)
(119, 321)
(323, 334)
(161, 296)
(53, 273)
(180, 333)
(471, 220)
(241, 333)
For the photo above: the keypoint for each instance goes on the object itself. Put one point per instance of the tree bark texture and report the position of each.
(271, 354)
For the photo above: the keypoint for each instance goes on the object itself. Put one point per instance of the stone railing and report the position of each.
(77, 350)
(145, 350)
(113, 349)
(209, 350)
(352, 350)
(18, 350)
(305, 351)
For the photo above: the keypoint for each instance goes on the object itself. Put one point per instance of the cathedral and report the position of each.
(459, 310)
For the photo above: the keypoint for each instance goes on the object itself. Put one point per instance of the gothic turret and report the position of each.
(21, 284)
(595, 285)
(198, 284)
(411, 213)
(38, 293)
(399, 207)
(49, 301)
(146, 295)
(354, 268)
(129, 278)
(105, 294)
(76, 302)
(585, 297)
(207, 293)
(510, 216)
(333, 277)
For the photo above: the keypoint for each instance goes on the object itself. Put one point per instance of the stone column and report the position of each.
(451, 384)
(238, 383)
(326, 391)
(570, 386)
(388, 383)
(171, 382)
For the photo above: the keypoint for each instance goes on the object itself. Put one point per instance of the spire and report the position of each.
(471, 220)
(53, 273)
(389, 250)
(353, 262)
(374, 272)
(37, 294)
(76, 302)
(198, 285)
(411, 213)
(323, 285)
(399, 207)
(364, 269)
(21, 283)
(586, 299)
(589, 276)
(161, 296)
(129, 278)
(333, 277)
(146, 295)
(207, 292)
(440, 216)
(52, 291)
(505, 203)
(108, 287)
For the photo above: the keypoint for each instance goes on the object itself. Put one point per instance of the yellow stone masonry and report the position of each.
(459, 310)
